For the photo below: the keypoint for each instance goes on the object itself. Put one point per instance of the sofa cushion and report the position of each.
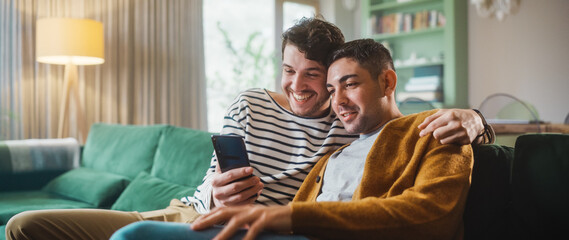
(487, 205)
(147, 193)
(12, 203)
(540, 186)
(183, 156)
(121, 149)
(95, 187)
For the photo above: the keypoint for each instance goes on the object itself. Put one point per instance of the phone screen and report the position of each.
(230, 151)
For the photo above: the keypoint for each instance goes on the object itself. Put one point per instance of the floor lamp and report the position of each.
(70, 42)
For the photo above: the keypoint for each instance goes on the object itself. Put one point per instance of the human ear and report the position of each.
(390, 81)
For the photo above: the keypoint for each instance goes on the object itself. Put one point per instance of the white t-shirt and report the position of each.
(345, 168)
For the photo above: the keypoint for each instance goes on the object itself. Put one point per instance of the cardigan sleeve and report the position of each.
(416, 191)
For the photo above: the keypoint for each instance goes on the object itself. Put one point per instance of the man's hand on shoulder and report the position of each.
(459, 126)
(235, 187)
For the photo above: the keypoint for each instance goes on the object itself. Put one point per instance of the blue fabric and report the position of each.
(173, 231)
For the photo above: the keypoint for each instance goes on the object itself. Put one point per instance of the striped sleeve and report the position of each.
(202, 198)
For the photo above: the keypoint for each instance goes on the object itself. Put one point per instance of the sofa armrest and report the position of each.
(489, 198)
(30, 164)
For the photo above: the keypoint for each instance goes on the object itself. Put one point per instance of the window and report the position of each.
(292, 11)
(242, 48)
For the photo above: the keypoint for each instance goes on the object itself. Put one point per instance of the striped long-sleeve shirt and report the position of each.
(282, 147)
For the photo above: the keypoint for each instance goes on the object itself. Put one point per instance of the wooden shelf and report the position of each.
(386, 36)
(504, 129)
(402, 67)
(395, 4)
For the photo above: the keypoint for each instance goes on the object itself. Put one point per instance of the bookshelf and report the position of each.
(424, 36)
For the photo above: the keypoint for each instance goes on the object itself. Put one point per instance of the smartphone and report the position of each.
(230, 152)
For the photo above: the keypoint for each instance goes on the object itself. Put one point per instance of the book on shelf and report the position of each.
(406, 22)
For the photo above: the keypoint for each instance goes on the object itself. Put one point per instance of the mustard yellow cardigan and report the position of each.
(411, 188)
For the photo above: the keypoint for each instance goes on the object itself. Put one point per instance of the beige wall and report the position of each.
(526, 55)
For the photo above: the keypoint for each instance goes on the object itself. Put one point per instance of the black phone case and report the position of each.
(230, 152)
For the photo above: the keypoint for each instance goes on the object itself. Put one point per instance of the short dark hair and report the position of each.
(369, 54)
(314, 37)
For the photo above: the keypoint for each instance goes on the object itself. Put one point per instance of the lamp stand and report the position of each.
(71, 88)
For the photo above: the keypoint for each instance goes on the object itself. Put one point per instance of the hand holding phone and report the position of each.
(231, 153)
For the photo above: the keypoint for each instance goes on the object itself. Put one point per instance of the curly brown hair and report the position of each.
(314, 37)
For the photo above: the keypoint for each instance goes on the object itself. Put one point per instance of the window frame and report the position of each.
(279, 20)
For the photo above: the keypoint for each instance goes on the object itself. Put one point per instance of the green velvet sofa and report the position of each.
(516, 193)
(520, 192)
(122, 167)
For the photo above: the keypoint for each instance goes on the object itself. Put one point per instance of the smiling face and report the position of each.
(304, 84)
(359, 100)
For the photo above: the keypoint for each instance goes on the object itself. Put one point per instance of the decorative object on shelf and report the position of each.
(508, 109)
(498, 8)
(414, 104)
(70, 42)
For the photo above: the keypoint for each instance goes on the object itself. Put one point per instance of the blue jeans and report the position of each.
(172, 231)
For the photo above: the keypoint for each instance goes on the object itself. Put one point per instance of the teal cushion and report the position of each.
(121, 149)
(95, 187)
(12, 203)
(183, 156)
(147, 193)
(2, 230)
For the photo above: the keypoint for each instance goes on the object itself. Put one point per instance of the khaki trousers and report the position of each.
(88, 223)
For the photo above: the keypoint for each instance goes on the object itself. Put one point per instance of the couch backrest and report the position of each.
(521, 193)
(487, 206)
(540, 186)
(183, 156)
(121, 149)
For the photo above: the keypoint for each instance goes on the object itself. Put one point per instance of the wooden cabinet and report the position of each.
(427, 38)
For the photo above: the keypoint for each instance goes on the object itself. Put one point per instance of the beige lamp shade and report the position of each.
(69, 41)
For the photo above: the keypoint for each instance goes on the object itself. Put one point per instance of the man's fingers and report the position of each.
(236, 222)
(207, 220)
(237, 193)
(429, 119)
(456, 139)
(443, 132)
(451, 133)
(436, 124)
(256, 228)
(231, 175)
(247, 196)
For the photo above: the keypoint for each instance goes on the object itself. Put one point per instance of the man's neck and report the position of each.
(394, 114)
